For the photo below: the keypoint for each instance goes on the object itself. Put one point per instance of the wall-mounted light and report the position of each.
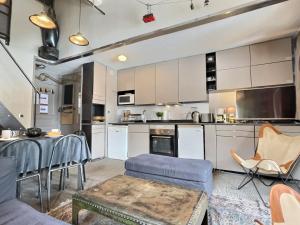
(122, 58)
(78, 38)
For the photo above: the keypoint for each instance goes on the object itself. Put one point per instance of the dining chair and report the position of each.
(28, 154)
(63, 157)
(82, 133)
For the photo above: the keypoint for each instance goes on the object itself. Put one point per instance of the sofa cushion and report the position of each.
(14, 212)
(185, 169)
(8, 177)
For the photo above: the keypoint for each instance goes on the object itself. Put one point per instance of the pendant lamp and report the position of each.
(2, 1)
(78, 38)
(43, 20)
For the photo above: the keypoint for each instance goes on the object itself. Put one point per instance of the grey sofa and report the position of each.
(190, 173)
(13, 211)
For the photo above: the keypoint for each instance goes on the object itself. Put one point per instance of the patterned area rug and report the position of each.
(223, 210)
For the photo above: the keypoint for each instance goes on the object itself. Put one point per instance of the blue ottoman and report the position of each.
(190, 173)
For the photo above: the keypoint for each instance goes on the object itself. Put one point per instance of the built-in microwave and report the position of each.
(126, 99)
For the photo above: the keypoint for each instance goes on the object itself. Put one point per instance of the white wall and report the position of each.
(15, 92)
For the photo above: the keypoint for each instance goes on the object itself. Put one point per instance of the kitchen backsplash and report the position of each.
(171, 112)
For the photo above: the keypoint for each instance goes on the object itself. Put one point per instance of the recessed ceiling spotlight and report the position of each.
(122, 58)
(228, 12)
(206, 2)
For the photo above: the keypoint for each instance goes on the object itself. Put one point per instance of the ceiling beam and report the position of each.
(171, 29)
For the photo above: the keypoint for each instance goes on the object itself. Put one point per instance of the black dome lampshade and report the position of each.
(5, 18)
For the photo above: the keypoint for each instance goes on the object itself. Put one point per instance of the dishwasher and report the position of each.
(190, 141)
(117, 142)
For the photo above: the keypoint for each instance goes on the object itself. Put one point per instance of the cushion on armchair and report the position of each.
(8, 177)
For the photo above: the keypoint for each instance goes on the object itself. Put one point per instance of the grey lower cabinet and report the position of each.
(138, 140)
(145, 85)
(98, 141)
(192, 79)
(167, 82)
(210, 140)
(240, 138)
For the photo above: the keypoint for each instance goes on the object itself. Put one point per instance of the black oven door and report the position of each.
(163, 145)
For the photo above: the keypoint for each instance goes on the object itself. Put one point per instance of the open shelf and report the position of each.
(211, 72)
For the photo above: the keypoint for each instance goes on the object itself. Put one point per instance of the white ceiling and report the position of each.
(123, 20)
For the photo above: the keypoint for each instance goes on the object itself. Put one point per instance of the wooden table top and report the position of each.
(149, 201)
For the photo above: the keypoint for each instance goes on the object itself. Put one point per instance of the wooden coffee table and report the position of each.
(132, 201)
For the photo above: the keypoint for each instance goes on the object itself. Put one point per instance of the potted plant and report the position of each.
(160, 115)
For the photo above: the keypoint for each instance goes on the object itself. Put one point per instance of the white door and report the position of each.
(190, 142)
(117, 142)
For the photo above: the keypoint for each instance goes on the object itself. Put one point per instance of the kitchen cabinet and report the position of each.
(192, 79)
(145, 85)
(233, 58)
(210, 138)
(138, 140)
(271, 51)
(98, 141)
(272, 74)
(99, 84)
(126, 79)
(233, 78)
(117, 142)
(167, 82)
(237, 138)
(190, 142)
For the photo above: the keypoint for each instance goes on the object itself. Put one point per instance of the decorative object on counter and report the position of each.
(207, 118)
(196, 116)
(33, 132)
(160, 115)
(220, 118)
(125, 115)
(231, 114)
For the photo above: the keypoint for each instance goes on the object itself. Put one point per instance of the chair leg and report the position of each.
(40, 191)
(61, 180)
(243, 183)
(84, 175)
(64, 177)
(261, 198)
(81, 176)
(48, 191)
(19, 189)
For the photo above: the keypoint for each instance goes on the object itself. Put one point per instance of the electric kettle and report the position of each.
(196, 116)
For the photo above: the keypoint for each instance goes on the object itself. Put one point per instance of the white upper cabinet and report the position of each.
(167, 82)
(192, 79)
(271, 51)
(233, 58)
(99, 83)
(126, 79)
(234, 78)
(272, 74)
(145, 85)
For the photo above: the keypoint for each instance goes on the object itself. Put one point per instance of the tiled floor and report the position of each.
(98, 171)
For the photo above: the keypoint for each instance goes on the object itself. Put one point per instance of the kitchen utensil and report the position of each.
(196, 116)
(207, 118)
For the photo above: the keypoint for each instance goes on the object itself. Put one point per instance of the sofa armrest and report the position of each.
(8, 177)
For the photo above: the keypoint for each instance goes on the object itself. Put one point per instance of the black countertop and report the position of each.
(190, 122)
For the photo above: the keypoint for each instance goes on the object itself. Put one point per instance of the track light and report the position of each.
(206, 2)
(192, 6)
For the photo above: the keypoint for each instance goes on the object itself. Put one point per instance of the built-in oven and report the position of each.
(163, 140)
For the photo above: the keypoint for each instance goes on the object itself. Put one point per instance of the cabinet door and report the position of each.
(244, 146)
(98, 142)
(138, 143)
(145, 85)
(192, 79)
(272, 74)
(271, 51)
(126, 80)
(167, 82)
(211, 144)
(190, 142)
(233, 78)
(99, 83)
(233, 58)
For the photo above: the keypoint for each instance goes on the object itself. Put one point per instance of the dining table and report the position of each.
(47, 144)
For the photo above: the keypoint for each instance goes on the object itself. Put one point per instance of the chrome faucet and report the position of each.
(144, 116)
